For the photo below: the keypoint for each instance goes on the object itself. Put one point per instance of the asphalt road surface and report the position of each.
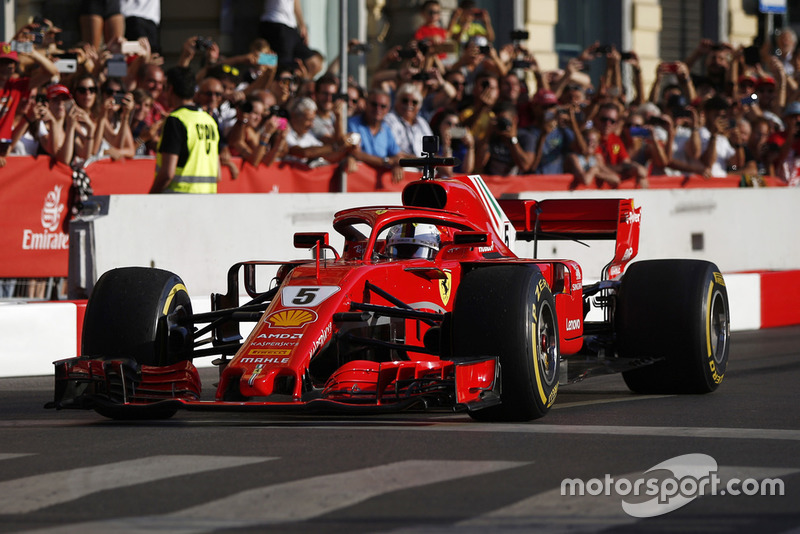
(73, 471)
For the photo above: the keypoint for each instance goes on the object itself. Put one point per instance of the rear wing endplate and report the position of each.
(580, 220)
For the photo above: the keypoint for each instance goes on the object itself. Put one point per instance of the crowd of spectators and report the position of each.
(723, 110)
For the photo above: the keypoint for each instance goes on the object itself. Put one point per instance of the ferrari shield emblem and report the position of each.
(444, 287)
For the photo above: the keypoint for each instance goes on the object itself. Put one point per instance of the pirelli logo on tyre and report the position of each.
(291, 318)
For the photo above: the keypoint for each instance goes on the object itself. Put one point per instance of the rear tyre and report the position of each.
(139, 313)
(509, 312)
(676, 310)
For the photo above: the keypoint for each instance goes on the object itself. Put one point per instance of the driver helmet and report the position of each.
(413, 240)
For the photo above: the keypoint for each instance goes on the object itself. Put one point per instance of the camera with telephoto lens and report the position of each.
(203, 43)
(503, 124)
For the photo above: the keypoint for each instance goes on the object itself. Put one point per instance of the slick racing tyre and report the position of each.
(508, 311)
(677, 311)
(139, 313)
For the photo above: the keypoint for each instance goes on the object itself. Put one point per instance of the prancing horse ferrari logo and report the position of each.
(444, 287)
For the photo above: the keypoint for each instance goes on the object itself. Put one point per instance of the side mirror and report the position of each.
(310, 239)
(471, 238)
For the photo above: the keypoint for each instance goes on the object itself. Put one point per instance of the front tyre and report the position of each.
(675, 310)
(139, 313)
(508, 311)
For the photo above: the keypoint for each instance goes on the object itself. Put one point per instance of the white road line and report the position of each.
(552, 513)
(606, 401)
(294, 501)
(32, 493)
(431, 425)
(12, 455)
(536, 428)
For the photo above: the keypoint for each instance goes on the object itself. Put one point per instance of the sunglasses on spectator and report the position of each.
(111, 91)
(607, 119)
(84, 90)
(378, 105)
(287, 80)
(409, 101)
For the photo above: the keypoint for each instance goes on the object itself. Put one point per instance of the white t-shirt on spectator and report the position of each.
(307, 140)
(281, 11)
(145, 9)
(725, 151)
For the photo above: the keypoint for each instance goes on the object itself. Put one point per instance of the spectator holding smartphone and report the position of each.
(30, 128)
(552, 142)
(431, 29)
(506, 150)
(255, 139)
(588, 167)
(114, 138)
(717, 152)
(787, 161)
(63, 120)
(613, 149)
(15, 89)
(469, 21)
(758, 152)
(142, 102)
(478, 116)
(645, 142)
(454, 141)
(85, 92)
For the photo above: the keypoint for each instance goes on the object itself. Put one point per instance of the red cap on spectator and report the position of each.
(766, 80)
(57, 90)
(7, 53)
(545, 97)
(748, 78)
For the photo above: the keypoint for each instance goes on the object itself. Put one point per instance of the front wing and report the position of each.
(121, 388)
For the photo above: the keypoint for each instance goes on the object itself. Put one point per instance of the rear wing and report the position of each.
(582, 220)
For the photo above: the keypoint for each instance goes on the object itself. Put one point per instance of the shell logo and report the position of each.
(292, 318)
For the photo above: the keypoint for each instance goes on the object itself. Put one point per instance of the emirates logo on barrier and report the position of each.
(52, 210)
(293, 318)
(51, 238)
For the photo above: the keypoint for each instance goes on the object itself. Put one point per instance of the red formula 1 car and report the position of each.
(426, 307)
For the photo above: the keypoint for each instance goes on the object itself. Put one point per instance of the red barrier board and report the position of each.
(34, 197)
(780, 292)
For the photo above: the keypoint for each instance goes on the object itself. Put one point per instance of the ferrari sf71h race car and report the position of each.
(426, 307)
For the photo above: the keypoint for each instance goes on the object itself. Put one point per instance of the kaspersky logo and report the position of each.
(291, 318)
(51, 238)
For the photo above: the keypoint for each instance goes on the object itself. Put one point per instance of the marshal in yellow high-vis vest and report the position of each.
(197, 149)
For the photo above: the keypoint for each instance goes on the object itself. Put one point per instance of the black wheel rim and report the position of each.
(548, 346)
(719, 327)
